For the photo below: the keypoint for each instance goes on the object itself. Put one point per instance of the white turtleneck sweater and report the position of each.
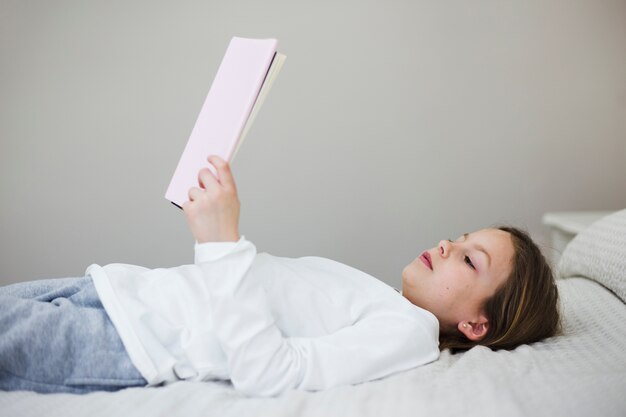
(269, 324)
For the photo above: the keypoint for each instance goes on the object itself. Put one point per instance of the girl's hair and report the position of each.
(524, 309)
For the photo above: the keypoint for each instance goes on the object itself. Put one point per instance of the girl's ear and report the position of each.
(474, 331)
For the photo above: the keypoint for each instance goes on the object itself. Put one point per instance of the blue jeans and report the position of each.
(55, 336)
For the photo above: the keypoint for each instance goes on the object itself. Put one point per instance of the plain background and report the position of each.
(392, 125)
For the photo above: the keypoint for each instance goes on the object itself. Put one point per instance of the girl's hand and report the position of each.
(212, 211)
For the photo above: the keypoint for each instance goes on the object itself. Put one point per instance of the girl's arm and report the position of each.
(262, 361)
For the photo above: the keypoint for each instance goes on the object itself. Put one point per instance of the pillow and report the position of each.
(599, 253)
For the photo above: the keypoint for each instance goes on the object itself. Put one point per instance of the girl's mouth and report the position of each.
(425, 257)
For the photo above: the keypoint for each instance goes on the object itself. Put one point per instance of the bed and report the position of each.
(581, 372)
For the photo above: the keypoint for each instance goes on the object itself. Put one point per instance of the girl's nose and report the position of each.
(444, 248)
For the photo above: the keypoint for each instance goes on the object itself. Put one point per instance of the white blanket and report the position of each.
(579, 373)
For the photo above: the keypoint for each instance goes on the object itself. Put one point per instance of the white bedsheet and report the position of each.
(580, 373)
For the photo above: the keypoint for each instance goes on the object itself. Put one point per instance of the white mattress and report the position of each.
(580, 373)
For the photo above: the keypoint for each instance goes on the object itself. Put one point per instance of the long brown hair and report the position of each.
(524, 309)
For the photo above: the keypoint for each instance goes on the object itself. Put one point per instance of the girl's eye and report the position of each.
(469, 262)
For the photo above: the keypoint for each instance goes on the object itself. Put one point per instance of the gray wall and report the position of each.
(393, 124)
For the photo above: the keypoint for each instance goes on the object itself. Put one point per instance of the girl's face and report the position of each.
(454, 279)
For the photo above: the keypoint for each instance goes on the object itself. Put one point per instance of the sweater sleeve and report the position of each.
(262, 362)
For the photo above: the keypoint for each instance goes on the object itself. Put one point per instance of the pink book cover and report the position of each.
(225, 111)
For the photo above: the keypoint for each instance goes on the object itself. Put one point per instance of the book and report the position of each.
(240, 86)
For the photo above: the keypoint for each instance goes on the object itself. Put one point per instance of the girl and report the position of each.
(266, 323)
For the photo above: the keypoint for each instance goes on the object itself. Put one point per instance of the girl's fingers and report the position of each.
(206, 178)
(223, 171)
(194, 193)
